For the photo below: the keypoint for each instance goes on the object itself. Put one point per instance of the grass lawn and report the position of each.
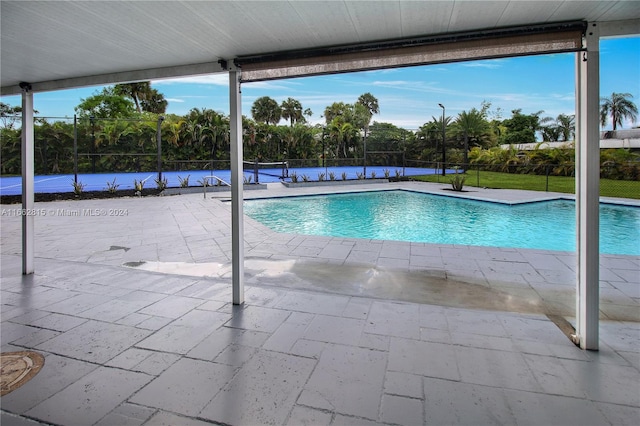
(608, 187)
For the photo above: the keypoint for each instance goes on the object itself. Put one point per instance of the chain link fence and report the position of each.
(617, 179)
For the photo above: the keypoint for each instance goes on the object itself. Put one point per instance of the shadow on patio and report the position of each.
(316, 342)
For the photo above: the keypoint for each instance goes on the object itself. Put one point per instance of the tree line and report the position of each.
(116, 131)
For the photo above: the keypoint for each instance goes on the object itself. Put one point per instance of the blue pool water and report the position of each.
(411, 216)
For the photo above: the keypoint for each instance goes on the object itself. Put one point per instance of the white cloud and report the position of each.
(480, 65)
(210, 79)
(174, 100)
(415, 86)
(223, 81)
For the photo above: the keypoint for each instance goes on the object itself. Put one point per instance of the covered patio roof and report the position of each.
(63, 44)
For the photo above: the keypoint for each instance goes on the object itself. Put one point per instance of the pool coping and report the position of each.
(523, 196)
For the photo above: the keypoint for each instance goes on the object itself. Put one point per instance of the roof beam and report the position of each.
(626, 28)
(487, 44)
(121, 77)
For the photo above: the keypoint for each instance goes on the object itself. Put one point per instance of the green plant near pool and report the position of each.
(161, 184)
(184, 182)
(457, 181)
(78, 187)
(112, 187)
(138, 185)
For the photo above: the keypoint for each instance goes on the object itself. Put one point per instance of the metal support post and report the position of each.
(28, 196)
(237, 211)
(588, 190)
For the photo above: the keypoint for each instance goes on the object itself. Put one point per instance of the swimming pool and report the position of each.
(410, 216)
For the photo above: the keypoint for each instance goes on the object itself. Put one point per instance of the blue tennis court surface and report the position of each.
(12, 185)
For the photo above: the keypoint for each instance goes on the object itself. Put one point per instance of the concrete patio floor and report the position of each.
(333, 330)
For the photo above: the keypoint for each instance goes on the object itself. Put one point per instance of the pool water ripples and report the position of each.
(410, 216)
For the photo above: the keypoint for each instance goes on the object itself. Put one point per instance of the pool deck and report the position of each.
(333, 330)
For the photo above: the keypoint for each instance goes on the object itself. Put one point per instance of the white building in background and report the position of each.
(608, 139)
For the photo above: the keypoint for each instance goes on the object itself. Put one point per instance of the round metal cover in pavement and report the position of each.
(17, 368)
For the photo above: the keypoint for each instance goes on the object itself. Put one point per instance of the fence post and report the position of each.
(255, 171)
(93, 144)
(478, 175)
(159, 143)
(547, 173)
(404, 163)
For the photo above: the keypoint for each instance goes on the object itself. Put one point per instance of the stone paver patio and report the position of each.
(333, 330)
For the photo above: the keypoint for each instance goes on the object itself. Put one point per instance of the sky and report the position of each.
(407, 97)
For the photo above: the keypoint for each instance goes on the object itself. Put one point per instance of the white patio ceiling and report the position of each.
(60, 44)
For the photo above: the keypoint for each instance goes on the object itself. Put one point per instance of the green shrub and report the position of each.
(112, 187)
(184, 183)
(138, 185)
(457, 182)
(78, 187)
(161, 184)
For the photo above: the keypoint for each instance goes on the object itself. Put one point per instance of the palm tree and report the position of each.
(619, 107)
(292, 110)
(334, 110)
(430, 133)
(343, 133)
(473, 126)
(154, 102)
(370, 102)
(215, 130)
(135, 91)
(566, 124)
(144, 96)
(266, 110)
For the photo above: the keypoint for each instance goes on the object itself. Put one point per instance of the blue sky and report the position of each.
(408, 97)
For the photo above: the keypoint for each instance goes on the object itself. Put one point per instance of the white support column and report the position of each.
(28, 197)
(588, 190)
(237, 211)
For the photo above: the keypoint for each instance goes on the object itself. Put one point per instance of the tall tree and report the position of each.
(370, 102)
(135, 91)
(334, 110)
(562, 128)
(619, 106)
(521, 128)
(292, 111)
(144, 97)
(266, 110)
(472, 125)
(154, 102)
(9, 115)
(105, 104)
(344, 134)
